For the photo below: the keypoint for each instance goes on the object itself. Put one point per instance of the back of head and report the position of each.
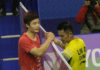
(66, 26)
(29, 16)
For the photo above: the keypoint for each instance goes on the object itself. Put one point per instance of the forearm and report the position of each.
(44, 46)
(40, 51)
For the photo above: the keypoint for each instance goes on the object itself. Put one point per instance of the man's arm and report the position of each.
(67, 54)
(40, 51)
(59, 43)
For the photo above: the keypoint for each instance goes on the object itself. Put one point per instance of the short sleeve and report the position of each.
(27, 45)
(67, 53)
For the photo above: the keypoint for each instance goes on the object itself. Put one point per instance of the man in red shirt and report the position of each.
(30, 50)
(88, 16)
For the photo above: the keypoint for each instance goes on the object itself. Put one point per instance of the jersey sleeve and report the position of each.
(27, 45)
(80, 17)
(67, 53)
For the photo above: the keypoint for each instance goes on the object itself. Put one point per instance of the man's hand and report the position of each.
(58, 42)
(50, 35)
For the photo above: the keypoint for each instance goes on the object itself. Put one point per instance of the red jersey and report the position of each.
(28, 61)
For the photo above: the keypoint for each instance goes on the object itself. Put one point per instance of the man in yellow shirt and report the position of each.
(74, 48)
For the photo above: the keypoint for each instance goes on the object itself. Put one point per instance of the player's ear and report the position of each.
(70, 33)
(27, 26)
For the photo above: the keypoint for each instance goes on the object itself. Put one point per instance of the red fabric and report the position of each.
(80, 18)
(28, 61)
(98, 10)
(95, 15)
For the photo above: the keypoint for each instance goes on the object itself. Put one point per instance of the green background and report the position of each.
(91, 66)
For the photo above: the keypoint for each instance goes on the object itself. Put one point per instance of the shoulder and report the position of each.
(77, 40)
(80, 40)
(23, 38)
(79, 43)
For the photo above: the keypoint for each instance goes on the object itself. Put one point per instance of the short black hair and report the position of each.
(29, 16)
(65, 26)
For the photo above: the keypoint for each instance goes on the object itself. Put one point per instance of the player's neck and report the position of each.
(72, 38)
(31, 35)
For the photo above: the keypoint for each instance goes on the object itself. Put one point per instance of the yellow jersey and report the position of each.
(75, 54)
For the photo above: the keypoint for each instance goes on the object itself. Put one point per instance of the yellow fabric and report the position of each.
(76, 51)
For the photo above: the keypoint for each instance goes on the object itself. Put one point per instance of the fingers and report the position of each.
(50, 35)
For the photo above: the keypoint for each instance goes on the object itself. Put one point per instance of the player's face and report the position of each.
(34, 26)
(64, 36)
